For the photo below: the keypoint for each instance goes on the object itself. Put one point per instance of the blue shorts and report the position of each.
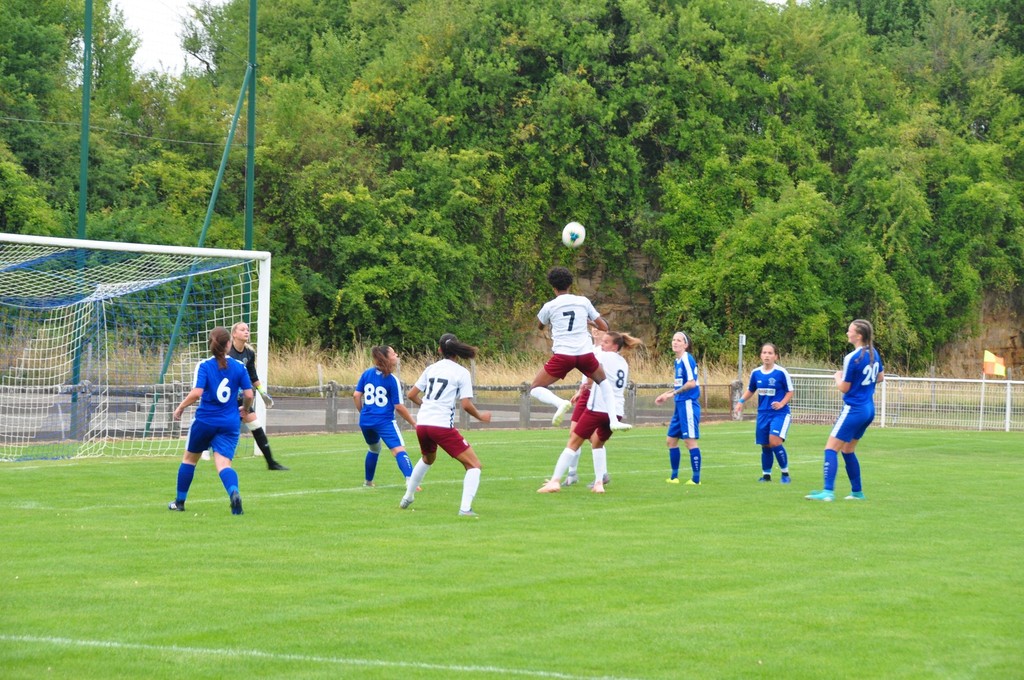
(219, 439)
(686, 420)
(771, 423)
(853, 422)
(388, 432)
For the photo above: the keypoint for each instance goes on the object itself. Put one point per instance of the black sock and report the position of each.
(261, 441)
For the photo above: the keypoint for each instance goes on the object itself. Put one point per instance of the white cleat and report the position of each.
(551, 486)
(559, 416)
(570, 480)
(617, 425)
(405, 502)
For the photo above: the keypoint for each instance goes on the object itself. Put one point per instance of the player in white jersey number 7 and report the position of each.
(571, 346)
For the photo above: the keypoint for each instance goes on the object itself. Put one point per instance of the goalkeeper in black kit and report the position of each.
(241, 350)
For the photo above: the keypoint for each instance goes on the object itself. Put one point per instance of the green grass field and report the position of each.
(322, 578)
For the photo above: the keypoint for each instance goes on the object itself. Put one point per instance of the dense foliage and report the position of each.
(785, 169)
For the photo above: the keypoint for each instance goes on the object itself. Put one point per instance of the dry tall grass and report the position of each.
(303, 366)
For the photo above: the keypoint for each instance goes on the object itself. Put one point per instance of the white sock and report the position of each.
(600, 464)
(547, 396)
(469, 486)
(563, 464)
(575, 462)
(418, 473)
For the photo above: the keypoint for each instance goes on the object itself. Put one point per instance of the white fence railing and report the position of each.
(944, 403)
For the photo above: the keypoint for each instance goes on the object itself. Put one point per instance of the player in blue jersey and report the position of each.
(216, 423)
(378, 398)
(571, 345)
(862, 371)
(685, 422)
(774, 389)
(443, 387)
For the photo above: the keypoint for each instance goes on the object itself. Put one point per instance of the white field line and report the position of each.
(329, 660)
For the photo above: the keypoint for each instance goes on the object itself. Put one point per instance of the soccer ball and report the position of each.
(574, 234)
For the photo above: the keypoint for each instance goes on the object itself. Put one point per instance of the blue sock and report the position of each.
(673, 459)
(185, 474)
(695, 464)
(370, 465)
(404, 464)
(853, 470)
(831, 465)
(229, 478)
(781, 456)
(766, 460)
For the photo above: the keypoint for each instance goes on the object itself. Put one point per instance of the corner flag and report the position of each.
(993, 365)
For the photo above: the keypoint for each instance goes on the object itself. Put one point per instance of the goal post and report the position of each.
(99, 340)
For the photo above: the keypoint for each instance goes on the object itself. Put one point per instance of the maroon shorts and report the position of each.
(581, 404)
(448, 438)
(591, 422)
(559, 365)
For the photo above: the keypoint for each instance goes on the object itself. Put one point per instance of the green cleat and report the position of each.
(827, 496)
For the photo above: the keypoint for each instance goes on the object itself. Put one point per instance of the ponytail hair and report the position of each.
(867, 335)
(379, 353)
(218, 344)
(451, 347)
(624, 340)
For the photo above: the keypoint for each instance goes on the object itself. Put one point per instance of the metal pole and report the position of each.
(250, 129)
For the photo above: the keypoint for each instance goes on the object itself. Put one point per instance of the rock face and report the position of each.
(627, 311)
(1000, 331)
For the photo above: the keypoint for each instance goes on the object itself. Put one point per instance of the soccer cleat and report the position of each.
(765, 478)
(827, 496)
(177, 506)
(551, 486)
(597, 487)
(855, 496)
(785, 478)
(405, 502)
(559, 416)
(616, 425)
(274, 465)
(690, 482)
(468, 513)
(570, 480)
(236, 503)
(369, 483)
(206, 455)
(605, 479)
(672, 480)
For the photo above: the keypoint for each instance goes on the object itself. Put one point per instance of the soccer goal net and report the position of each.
(99, 340)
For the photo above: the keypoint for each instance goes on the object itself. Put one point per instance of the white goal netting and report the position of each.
(99, 341)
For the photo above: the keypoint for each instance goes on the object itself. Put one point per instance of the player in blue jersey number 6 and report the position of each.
(378, 397)
(216, 423)
(774, 389)
(862, 371)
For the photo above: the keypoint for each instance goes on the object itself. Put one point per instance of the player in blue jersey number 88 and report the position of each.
(378, 397)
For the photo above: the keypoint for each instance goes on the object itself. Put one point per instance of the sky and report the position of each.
(157, 23)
